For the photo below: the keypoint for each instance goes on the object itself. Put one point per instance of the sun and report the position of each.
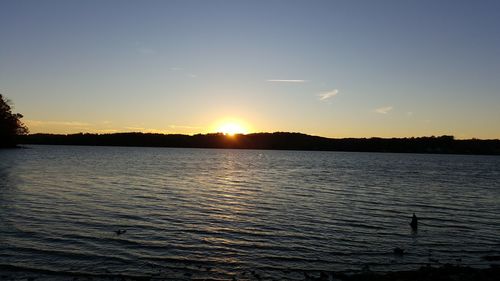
(231, 129)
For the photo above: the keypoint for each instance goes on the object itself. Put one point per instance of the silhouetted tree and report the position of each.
(10, 124)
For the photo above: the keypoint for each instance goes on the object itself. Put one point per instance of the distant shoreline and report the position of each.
(274, 141)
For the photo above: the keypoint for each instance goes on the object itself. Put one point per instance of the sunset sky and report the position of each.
(330, 68)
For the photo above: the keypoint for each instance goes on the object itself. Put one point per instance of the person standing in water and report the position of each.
(414, 222)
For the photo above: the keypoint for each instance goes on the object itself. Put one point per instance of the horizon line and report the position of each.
(255, 133)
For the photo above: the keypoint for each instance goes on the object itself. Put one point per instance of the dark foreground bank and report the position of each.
(275, 141)
(428, 273)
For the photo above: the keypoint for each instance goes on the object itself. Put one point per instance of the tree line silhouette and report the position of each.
(13, 131)
(277, 141)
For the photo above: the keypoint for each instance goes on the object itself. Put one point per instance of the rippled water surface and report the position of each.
(219, 213)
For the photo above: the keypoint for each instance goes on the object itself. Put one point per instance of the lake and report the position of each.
(214, 213)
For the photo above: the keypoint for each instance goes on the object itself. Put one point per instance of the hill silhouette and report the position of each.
(276, 141)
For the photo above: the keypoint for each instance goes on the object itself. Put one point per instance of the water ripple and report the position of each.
(216, 213)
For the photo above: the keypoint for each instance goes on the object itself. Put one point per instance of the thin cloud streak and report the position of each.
(287, 80)
(181, 71)
(328, 95)
(57, 123)
(384, 110)
(184, 127)
(147, 130)
(146, 51)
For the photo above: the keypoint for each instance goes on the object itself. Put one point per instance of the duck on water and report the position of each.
(120, 231)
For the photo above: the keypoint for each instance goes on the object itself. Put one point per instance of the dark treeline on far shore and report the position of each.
(278, 141)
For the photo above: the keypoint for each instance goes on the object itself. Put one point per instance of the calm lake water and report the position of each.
(197, 213)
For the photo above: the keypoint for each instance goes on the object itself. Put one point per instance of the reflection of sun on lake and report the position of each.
(232, 129)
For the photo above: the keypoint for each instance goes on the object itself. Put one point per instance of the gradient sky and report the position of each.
(330, 68)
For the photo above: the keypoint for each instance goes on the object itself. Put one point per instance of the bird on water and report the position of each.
(398, 251)
(120, 231)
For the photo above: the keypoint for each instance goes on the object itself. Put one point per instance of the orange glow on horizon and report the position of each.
(231, 127)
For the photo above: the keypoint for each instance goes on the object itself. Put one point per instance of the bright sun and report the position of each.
(231, 129)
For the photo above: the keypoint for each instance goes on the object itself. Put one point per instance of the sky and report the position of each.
(352, 68)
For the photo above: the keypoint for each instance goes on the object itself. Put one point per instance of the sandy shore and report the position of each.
(427, 273)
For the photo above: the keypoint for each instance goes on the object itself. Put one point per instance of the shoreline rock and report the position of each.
(446, 272)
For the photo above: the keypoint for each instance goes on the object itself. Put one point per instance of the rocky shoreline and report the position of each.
(427, 273)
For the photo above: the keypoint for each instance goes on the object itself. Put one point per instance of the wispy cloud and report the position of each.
(183, 127)
(287, 80)
(146, 130)
(384, 110)
(59, 127)
(328, 95)
(104, 126)
(145, 51)
(106, 131)
(181, 71)
(167, 130)
(57, 123)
